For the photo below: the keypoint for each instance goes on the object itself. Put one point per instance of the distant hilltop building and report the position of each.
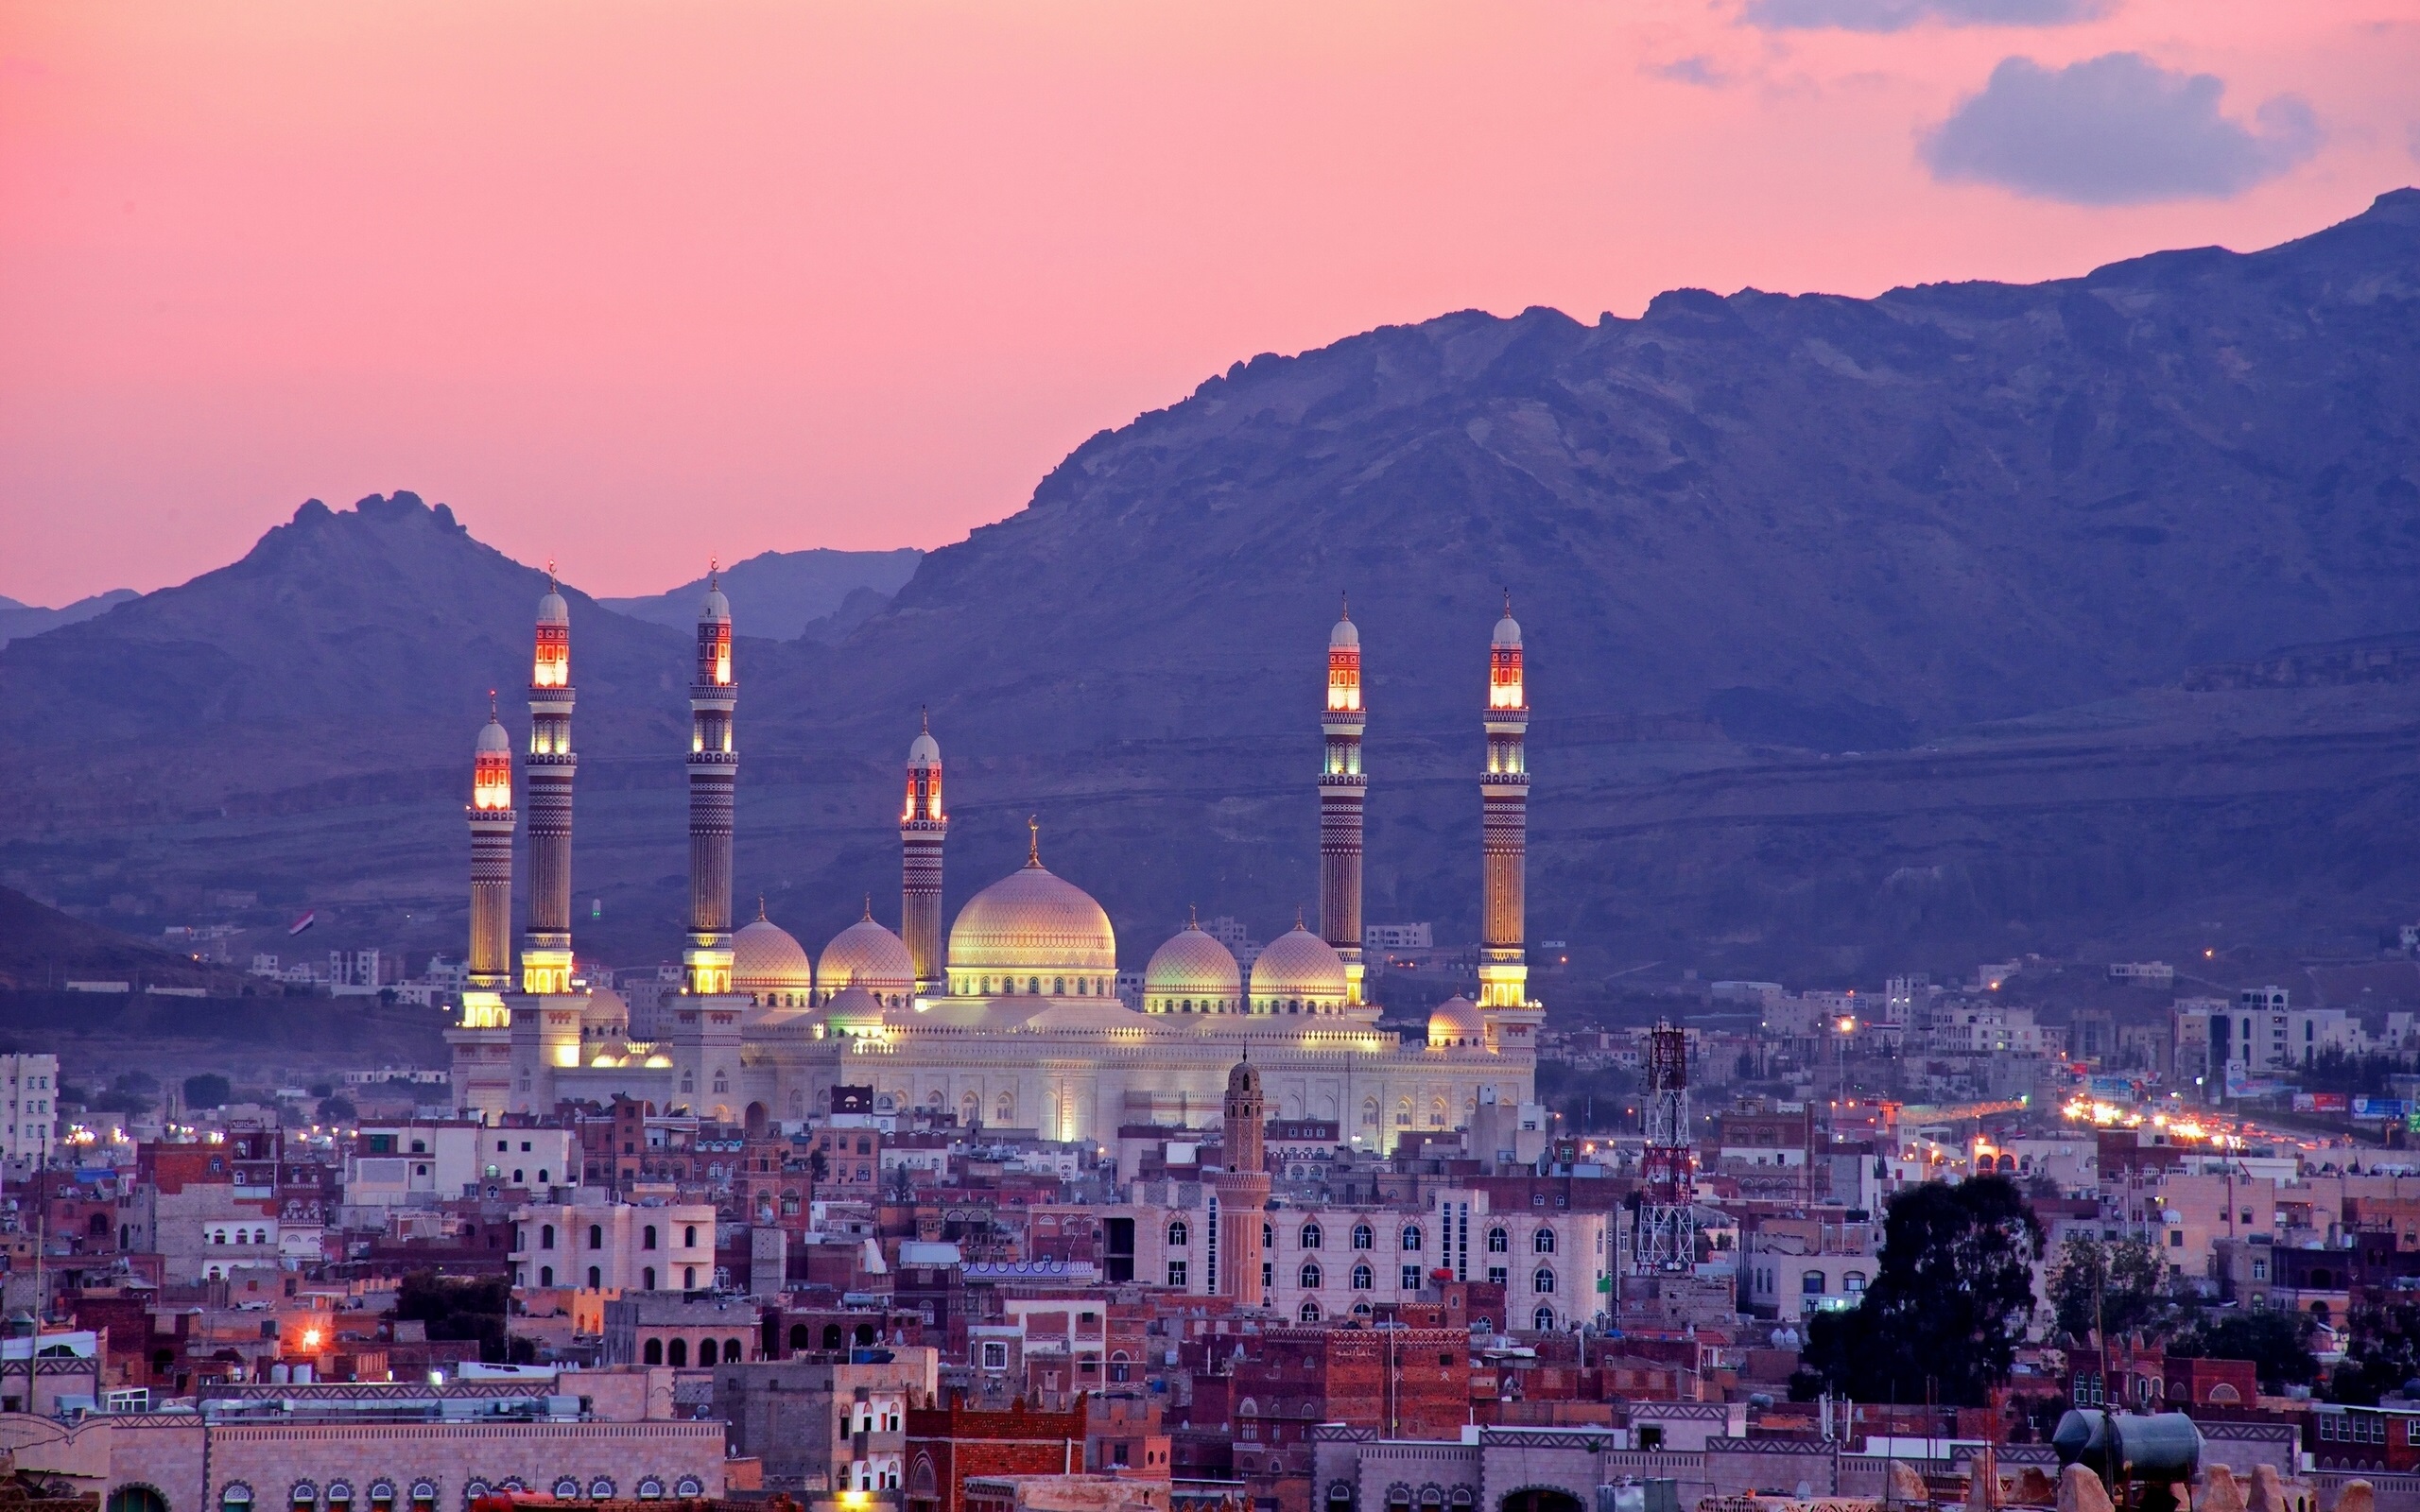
(1019, 1016)
(1399, 938)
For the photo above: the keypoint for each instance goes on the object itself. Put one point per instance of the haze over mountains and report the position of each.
(823, 594)
(1862, 633)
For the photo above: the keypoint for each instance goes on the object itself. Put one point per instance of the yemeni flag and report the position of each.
(310, 916)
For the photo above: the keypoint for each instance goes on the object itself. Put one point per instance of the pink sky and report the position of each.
(630, 283)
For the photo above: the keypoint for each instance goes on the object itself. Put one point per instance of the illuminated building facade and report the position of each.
(1015, 1020)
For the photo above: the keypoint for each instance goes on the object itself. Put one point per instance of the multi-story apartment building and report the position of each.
(600, 1245)
(31, 1129)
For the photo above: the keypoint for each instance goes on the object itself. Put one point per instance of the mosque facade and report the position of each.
(1013, 1021)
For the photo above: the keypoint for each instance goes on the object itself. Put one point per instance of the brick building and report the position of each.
(949, 1444)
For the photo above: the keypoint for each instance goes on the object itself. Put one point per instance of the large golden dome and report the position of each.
(768, 964)
(867, 954)
(1032, 932)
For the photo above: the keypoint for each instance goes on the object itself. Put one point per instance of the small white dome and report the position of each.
(717, 610)
(767, 960)
(1344, 635)
(1298, 967)
(1508, 629)
(552, 610)
(492, 738)
(1192, 973)
(1457, 1021)
(853, 1009)
(924, 750)
(868, 955)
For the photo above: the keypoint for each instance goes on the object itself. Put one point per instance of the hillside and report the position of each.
(1862, 632)
(43, 949)
(784, 594)
(17, 620)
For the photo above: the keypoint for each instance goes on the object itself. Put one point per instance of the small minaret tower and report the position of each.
(546, 950)
(1340, 804)
(714, 773)
(924, 825)
(1243, 1192)
(491, 820)
(1504, 818)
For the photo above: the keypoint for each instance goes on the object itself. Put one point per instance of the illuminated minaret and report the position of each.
(546, 950)
(713, 771)
(1243, 1192)
(924, 825)
(1341, 794)
(491, 819)
(1504, 817)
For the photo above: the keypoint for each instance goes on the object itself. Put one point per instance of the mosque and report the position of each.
(1017, 1022)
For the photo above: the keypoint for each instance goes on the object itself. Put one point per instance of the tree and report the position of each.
(2383, 1351)
(2121, 1287)
(458, 1310)
(2276, 1340)
(209, 1089)
(1949, 1300)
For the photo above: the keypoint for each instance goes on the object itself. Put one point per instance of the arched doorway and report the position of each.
(756, 1121)
(135, 1499)
(1542, 1499)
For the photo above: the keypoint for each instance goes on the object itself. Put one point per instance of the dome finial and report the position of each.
(713, 577)
(1297, 916)
(1508, 601)
(491, 706)
(924, 717)
(869, 905)
(1344, 605)
(760, 908)
(551, 585)
(1033, 840)
(1192, 916)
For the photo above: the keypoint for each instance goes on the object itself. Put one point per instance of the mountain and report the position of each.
(17, 620)
(782, 594)
(1863, 633)
(43, 949)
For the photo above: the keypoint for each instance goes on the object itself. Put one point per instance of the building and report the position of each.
(1016, 1021)
(418, 1163)
(838, 1424)
(617, 1246)
(949, 1444)
(31, 1127)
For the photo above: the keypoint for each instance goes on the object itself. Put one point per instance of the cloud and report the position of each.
(2116, 129)
(1897, 16)
(1695, 69)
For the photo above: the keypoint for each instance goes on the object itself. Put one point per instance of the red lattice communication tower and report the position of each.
(1666, 1238)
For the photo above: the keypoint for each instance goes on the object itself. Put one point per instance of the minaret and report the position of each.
(924, 825)
(546, 950)
(1243, 1192)
(1340, 796)
(1504, 817)
(713, 771)
(491, 820)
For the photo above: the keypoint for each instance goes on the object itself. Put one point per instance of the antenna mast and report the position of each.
(1666, 1238)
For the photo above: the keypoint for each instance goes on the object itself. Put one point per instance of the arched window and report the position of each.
(676, 1354)
(707, 1354)
(1269, 1236)
(1544, 1321)
(1178, 1234)
(730, 1351)
(1310, 1274)
(646, 1280)
(688, 1278)
(1033, 987)
(1310, 1312)
(1854, 1283)
(1810, 1283)
(799, 1337)
(595, 1236)
(566, 1489)
(1498, 1241)
(545, 1275)
(1544, 1243)
(647, 1237)
(652, 1353)
(832, 1335)
(689, 1237)
(1310, 1236)
(1364, 1279)
(1362, 1237)
(1059, 986)
(1411, 1236)
(1543, 1282)
(238, 1497)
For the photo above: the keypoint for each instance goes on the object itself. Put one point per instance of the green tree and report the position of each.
(1949, 1299)
(2122, 1285)
(2276, 1340)
(209, 1089)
